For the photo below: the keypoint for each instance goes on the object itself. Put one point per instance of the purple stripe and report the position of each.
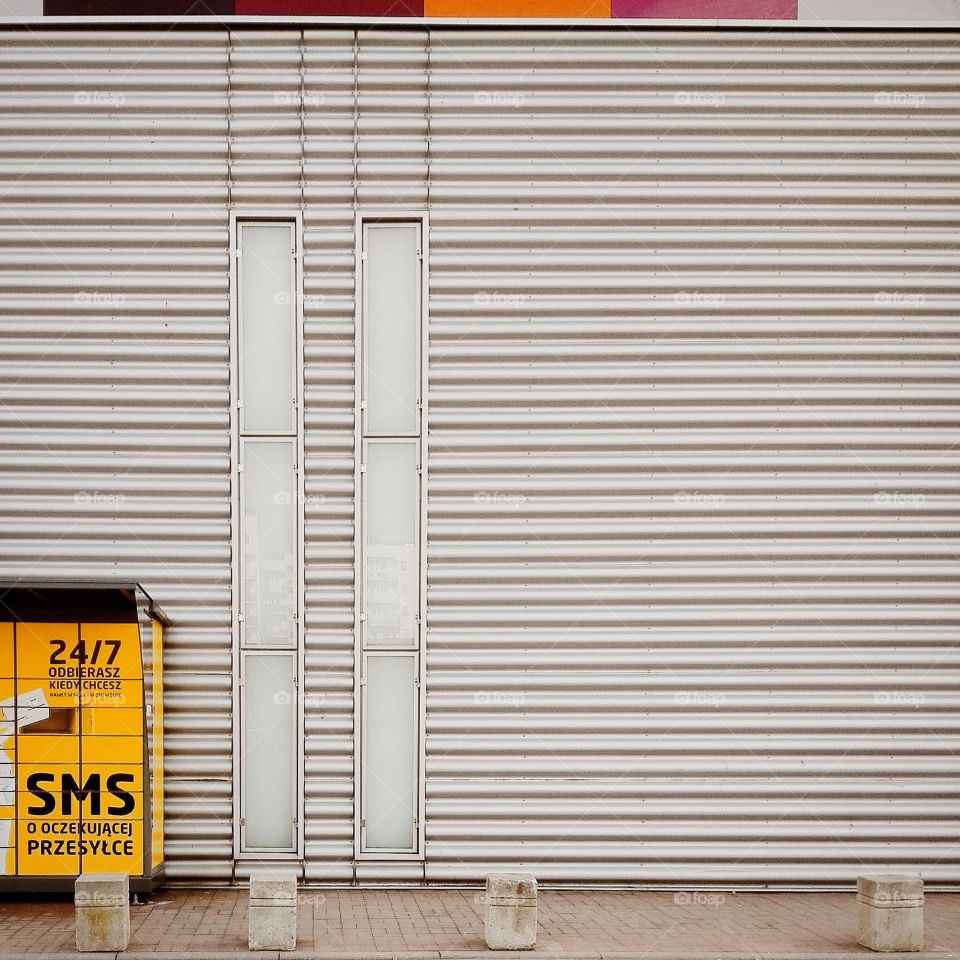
(707, 9)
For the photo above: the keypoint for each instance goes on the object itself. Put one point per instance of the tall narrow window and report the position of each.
(268, 535)
(390, 456)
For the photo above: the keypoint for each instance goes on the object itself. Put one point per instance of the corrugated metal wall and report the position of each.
(694, 397)
(693, 410)
(114, 340)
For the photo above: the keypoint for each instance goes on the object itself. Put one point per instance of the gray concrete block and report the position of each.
(102, 908)
(273, 911)
(890, 913)
(510, 921)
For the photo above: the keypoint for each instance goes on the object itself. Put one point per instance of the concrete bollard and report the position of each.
(273, 911)
(102, 907)
(890, 912)
(511, 911)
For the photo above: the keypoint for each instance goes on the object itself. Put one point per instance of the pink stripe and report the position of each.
(707, 9)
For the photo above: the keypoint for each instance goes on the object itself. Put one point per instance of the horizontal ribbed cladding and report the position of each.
(392, 150)
(328, 440)
(693, 494)
(114, 346)
(265, 119)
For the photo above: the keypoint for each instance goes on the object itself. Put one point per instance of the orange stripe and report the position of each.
(517, 8)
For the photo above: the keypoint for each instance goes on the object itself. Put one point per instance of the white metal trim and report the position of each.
(361, 595)
(300, 520)
(386, 853)
(296, 359)
(357, 532)
(388, 216)
(421, 217)
(235, 665)
(295, 219)
(280, 853)
(423, 462)
(241, 483)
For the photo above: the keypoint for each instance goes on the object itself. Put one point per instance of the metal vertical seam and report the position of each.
(356, 117)
(424, 372)
(303, 108)
(429, 110)
(229, 118)
(234, 451)
(358, 240)
(300, 512)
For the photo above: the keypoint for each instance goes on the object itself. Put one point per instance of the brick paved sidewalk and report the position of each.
(572, 924)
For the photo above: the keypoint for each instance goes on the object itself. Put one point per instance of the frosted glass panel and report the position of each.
(267, 327)
(268, 531)
(391, 751)
(269, 772)
(391, 327)
(390, 563)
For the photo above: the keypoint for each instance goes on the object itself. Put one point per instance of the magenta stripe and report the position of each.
(707, 9)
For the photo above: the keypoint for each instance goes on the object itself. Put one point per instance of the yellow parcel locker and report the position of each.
(81, 736)
(48, 837)
(48, 673)
(115, 722)
(6, 657)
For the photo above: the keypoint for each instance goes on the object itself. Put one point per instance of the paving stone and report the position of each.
(575, 923)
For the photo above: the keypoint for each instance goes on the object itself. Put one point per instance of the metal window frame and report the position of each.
(278, 853)
(295, 218)
(362, 217)
(420, 350)
(414, 645)
(393, 853)
(295, 235)
(297, 533)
